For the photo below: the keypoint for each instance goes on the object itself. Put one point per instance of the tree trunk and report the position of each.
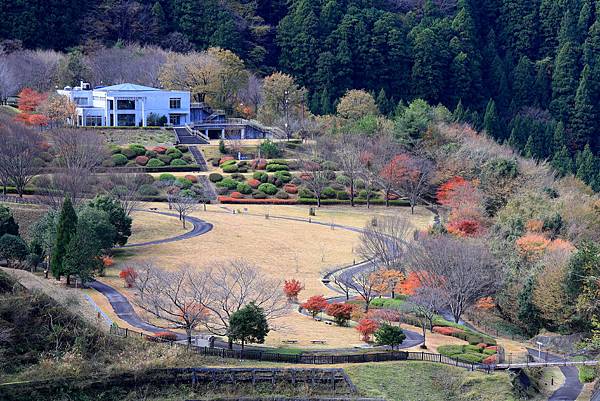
(183, 222)
(387, 198)
(318, 201)
(242, 344)
(189, 336)
(68, 280)
(412, 207)
(229, 343)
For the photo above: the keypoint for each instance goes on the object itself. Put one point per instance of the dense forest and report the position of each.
(528, 71)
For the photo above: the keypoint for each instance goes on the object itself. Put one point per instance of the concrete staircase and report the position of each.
(185, 137)
(199, 157)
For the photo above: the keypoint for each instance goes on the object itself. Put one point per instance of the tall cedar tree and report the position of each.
(248, 325)
(65, 231)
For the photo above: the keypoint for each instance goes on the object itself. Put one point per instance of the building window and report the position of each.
(126, 120)
(174, 119)
(93, 121)
(125, 104)
(175, 103)
(80, 101)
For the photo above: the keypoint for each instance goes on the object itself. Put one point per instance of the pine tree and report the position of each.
(460, 78)
(559, 139)
(429, 65)
(591, 46)
(519, 26)
(550, 12)
(523, 81)
(562, 162)
(586, 18)
(382, 102)
(528, 149)
(586, 166)
(65, 231)
(543, 83)
(564, 81)
(491, 121)
(459, 113)
(584, 118)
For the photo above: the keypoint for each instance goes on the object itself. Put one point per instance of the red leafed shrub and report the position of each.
(141, 160)
(393, 197)
(492, 348)
(162, 336)
(128, 274)
(225, 159)
(490, 360)
(107, 261)
(315, 305)
(409, 285)
(464, 228)
(340, 312)
(237, 195)
(228, 199)
(192, 178)
(258, 164)
(482, 345)
(447, 191)
(446, 331)
(292, 288)
(254, 183)
(160, 149)
(367, 328)
(290, 188)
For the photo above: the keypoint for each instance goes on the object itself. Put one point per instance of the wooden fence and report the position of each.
(308, 359)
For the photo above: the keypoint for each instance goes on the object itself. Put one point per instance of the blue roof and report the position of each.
(127, 88)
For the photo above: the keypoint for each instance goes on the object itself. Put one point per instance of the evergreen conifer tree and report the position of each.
(65, 231)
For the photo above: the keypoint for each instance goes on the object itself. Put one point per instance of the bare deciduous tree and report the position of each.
(126, 190)
(383, 241)
(19, 153)
(425, 304)
(364, 282)
(416, 180)
(171, 296)
(347, 156)
(183, 204)
(461, 270)
(233, 284)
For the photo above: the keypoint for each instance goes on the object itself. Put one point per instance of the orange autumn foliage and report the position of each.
(386, 280)
(485, 303)
(128, 274)
(107, 261)
(29, 102)
(409, 285)
(532, 245)
(534, 226)
(464, 228)
(367, 328)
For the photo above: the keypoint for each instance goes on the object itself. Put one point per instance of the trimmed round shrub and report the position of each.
(114, 149)
(188, 158)
(178, 162)
(150, 154)
(359, 184)
(243, 169)
(148, 190)
(259, 164)
(155, 163)
(228, 183)
(108, 163)
(342, 195)
(193, 179)
(290, 188)
(230, 168)
(159, 149)
(174, 153)
(283, 176)
(254, 183)
(267, 188)
(166, 177)
(244, 188)
(338, 187)
(229, 163)
(329, 165)
(138, 149)
(129, 153)
(187, 192)
(296, 181)
(236, 195)
(222, 191)
(131, 163)
(306, 193)
(182, 148)
(183, 183)
(215, 177)
(165, 158)
(238, 177)
(262, 177)
(343, 180)
(119, 159)
(328, 193)
(282, 195)
(225, 159)
(277, 167)
(259, 195)
(141, 160)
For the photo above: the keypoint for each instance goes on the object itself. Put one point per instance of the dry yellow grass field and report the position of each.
(283, 249)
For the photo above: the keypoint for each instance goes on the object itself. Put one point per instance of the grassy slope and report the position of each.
(412, 381)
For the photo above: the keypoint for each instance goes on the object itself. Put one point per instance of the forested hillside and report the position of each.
(528, 71)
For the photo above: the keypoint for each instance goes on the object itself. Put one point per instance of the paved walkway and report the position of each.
(572, 387)
(199, 157)
(185, 138)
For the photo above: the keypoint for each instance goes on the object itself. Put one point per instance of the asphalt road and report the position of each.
(572, 387)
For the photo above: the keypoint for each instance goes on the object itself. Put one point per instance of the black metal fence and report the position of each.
(308, 359)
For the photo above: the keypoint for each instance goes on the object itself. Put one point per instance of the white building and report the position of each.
(128, 105)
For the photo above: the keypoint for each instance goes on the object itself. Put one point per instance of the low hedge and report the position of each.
(166, 177)
(230, 168)
(244, 188)
(277, 167)
(215, 177)
(119, 159)
(462, 353)
(262, 177)
(269, 189)
(313, 201)
(228, 199)
(178, 162)
(228, 183)
(155, 163)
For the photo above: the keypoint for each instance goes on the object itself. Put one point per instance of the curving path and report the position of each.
(124, 310)
(199, 227)
(572, 387)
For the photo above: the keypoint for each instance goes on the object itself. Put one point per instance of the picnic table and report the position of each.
(290, 341)
(318, 341)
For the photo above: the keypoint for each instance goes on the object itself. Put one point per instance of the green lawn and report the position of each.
(421, 381)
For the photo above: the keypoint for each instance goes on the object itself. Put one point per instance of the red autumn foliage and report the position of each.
(291, 289)
(237, 195)
(107, 261)
(254, 183)
(409, 285)
(141, 160)
(340, 312)
(492, 347)
(162, 336)
(384, 315)
(259, 164)
(29, 101)
(290, 188)
(490, 360)
(159, 149)
(128, 274)
(482, 345)
(446, 331)
(228, 199)
(315, 305)
(367, 328)
(464, 228)
(192, 178)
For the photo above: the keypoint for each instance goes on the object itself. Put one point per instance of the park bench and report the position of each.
(290, 341)
(328, 322)
(318, 341)
(154, 209)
